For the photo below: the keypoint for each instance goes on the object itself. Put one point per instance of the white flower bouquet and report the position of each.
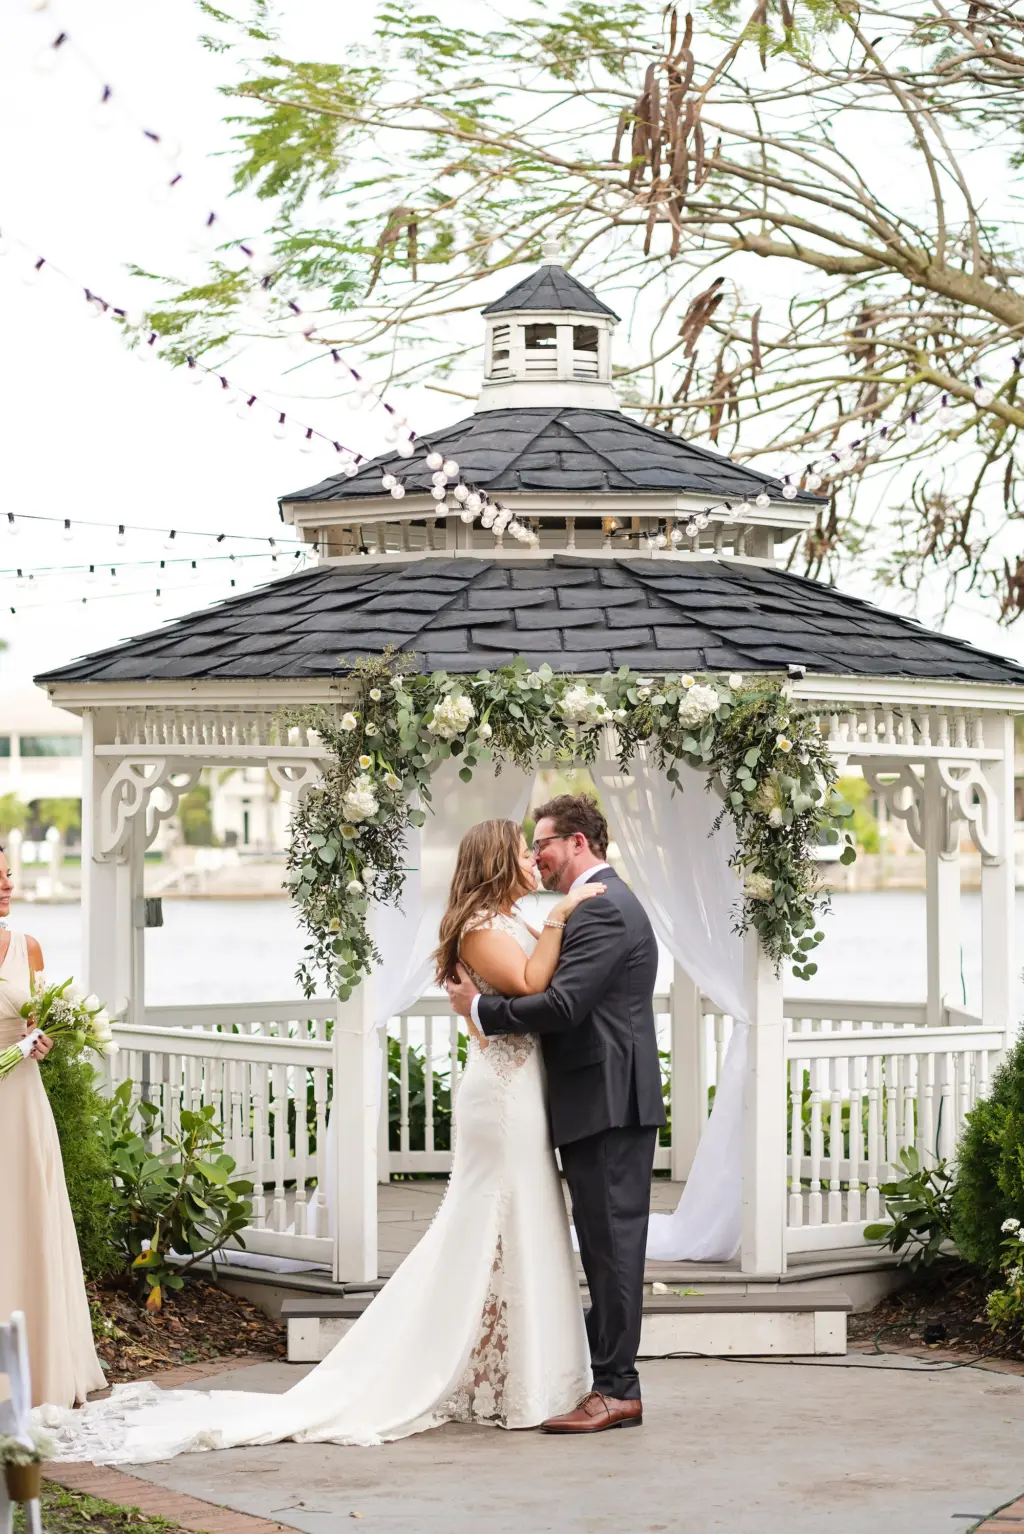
(62, 1011)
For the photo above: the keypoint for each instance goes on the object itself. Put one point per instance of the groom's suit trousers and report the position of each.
(609, 1178)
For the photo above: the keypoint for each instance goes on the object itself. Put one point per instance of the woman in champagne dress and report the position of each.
(40, 1267)
(483, 1322)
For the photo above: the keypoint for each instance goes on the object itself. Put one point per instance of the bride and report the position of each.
(483, 1321)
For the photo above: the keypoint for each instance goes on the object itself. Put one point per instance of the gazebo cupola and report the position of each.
(548, 342)
(549, 454)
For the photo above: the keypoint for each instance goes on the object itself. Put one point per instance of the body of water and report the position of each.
(248, 950)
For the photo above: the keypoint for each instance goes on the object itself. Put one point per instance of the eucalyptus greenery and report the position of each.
(349, 833)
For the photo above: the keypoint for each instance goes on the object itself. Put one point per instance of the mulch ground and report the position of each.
(945, 1309)
(197, 1323)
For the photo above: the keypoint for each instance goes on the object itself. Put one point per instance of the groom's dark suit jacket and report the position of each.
(596, 1019)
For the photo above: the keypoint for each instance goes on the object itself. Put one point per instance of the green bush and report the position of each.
(80, 1113)
(990, 1167)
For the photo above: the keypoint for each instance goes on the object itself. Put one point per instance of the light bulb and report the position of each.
(944, 415)
(847, 458)
(746, 507)
(308, 443)
(355, 401)
(461, 492)
(398, 491)
(439, 478)
(169, 540)
(388, 481)
(691, 529)
(914, 428)
(30, 275)
(170, 148)
(675, 537)
(102, 112)
(12, 526)
(660, 541)
(441, 509)
(405, 448)
(21, 581)
(351, 469)
(468, 516)
(451, 468)
(763, 501)
(702, 519)
(473, 501)
(67, 534)
(391, 435)
(194, 572)
(297, 341)
(439, 493)
(45, 61)
(147, 351)
(122, 537)
(814, 481)
(789, 491)
(158, 600)
(243, 409)
(435, 460)
(259, 300)
(197, 376)
(91, 576)
(982, 395)
(115, 579)
(281, 427)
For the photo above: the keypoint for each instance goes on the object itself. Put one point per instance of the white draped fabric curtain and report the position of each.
(679, 870)
(406, 936)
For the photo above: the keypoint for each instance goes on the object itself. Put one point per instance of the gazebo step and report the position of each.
(790, 1322)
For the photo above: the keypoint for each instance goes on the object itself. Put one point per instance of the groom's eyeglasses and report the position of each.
(543, 841)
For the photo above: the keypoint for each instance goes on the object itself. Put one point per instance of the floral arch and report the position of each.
(767, 759)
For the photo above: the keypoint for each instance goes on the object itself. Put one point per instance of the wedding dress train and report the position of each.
(481, 1323)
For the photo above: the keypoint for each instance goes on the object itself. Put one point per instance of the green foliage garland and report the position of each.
(349, 831)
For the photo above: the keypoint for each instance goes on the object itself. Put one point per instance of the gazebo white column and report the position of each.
(941, 835)
(762, 1249)
(354, 1137)
(689, 1103)
(998, 965)
(112, 945)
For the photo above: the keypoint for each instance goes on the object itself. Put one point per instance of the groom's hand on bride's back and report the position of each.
(461, 993)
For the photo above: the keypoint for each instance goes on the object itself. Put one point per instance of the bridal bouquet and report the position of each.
(64, 1012)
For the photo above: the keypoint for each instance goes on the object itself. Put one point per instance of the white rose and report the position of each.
(349, 721)
(354, 887)
(735, 681)
(643, 692)
(775, 817)
(485, 732)
(375, 694)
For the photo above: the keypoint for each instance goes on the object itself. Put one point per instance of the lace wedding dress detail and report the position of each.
(507, 1052)
(482, 1323)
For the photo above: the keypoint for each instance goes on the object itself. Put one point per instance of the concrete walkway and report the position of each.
(872, 1443)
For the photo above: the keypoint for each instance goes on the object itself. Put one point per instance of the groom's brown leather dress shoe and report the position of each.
(595, 1413)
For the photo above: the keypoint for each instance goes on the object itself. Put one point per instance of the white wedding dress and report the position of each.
(481, 1323)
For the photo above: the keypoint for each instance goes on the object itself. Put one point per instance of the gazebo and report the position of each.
(550, 526)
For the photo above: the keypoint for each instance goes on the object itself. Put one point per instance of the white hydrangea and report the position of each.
(580, 704)
(758, 887)
(699, 704)
(360, 802)
(1009, 1226)
(452, 715)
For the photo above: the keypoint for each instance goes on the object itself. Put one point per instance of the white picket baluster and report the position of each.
(835, 1135)
(872, 1205)
(817, 1138)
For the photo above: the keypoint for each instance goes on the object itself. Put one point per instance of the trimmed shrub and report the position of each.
(80, 1113)
(990, 1167)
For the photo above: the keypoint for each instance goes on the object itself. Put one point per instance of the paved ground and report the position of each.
(773, 1448)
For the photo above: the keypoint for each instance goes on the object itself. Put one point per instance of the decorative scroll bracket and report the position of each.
(970, 797)
(295, 777)
(131, 791)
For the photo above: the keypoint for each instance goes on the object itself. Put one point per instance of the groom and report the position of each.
(596, 1023)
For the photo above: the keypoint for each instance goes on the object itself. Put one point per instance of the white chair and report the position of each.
(15, 1413)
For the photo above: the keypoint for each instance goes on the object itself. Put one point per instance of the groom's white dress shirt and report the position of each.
(588, 873)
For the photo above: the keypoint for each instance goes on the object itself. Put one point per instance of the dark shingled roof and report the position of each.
(550, 287)
(580, 615)
(558, 448)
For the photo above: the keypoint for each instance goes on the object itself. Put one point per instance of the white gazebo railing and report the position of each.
(864, 1080)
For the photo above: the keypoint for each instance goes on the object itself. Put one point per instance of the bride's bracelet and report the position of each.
(559, 924)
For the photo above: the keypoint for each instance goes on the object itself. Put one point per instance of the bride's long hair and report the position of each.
(487, 878)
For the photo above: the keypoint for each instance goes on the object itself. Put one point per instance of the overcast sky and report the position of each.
(89, 432)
